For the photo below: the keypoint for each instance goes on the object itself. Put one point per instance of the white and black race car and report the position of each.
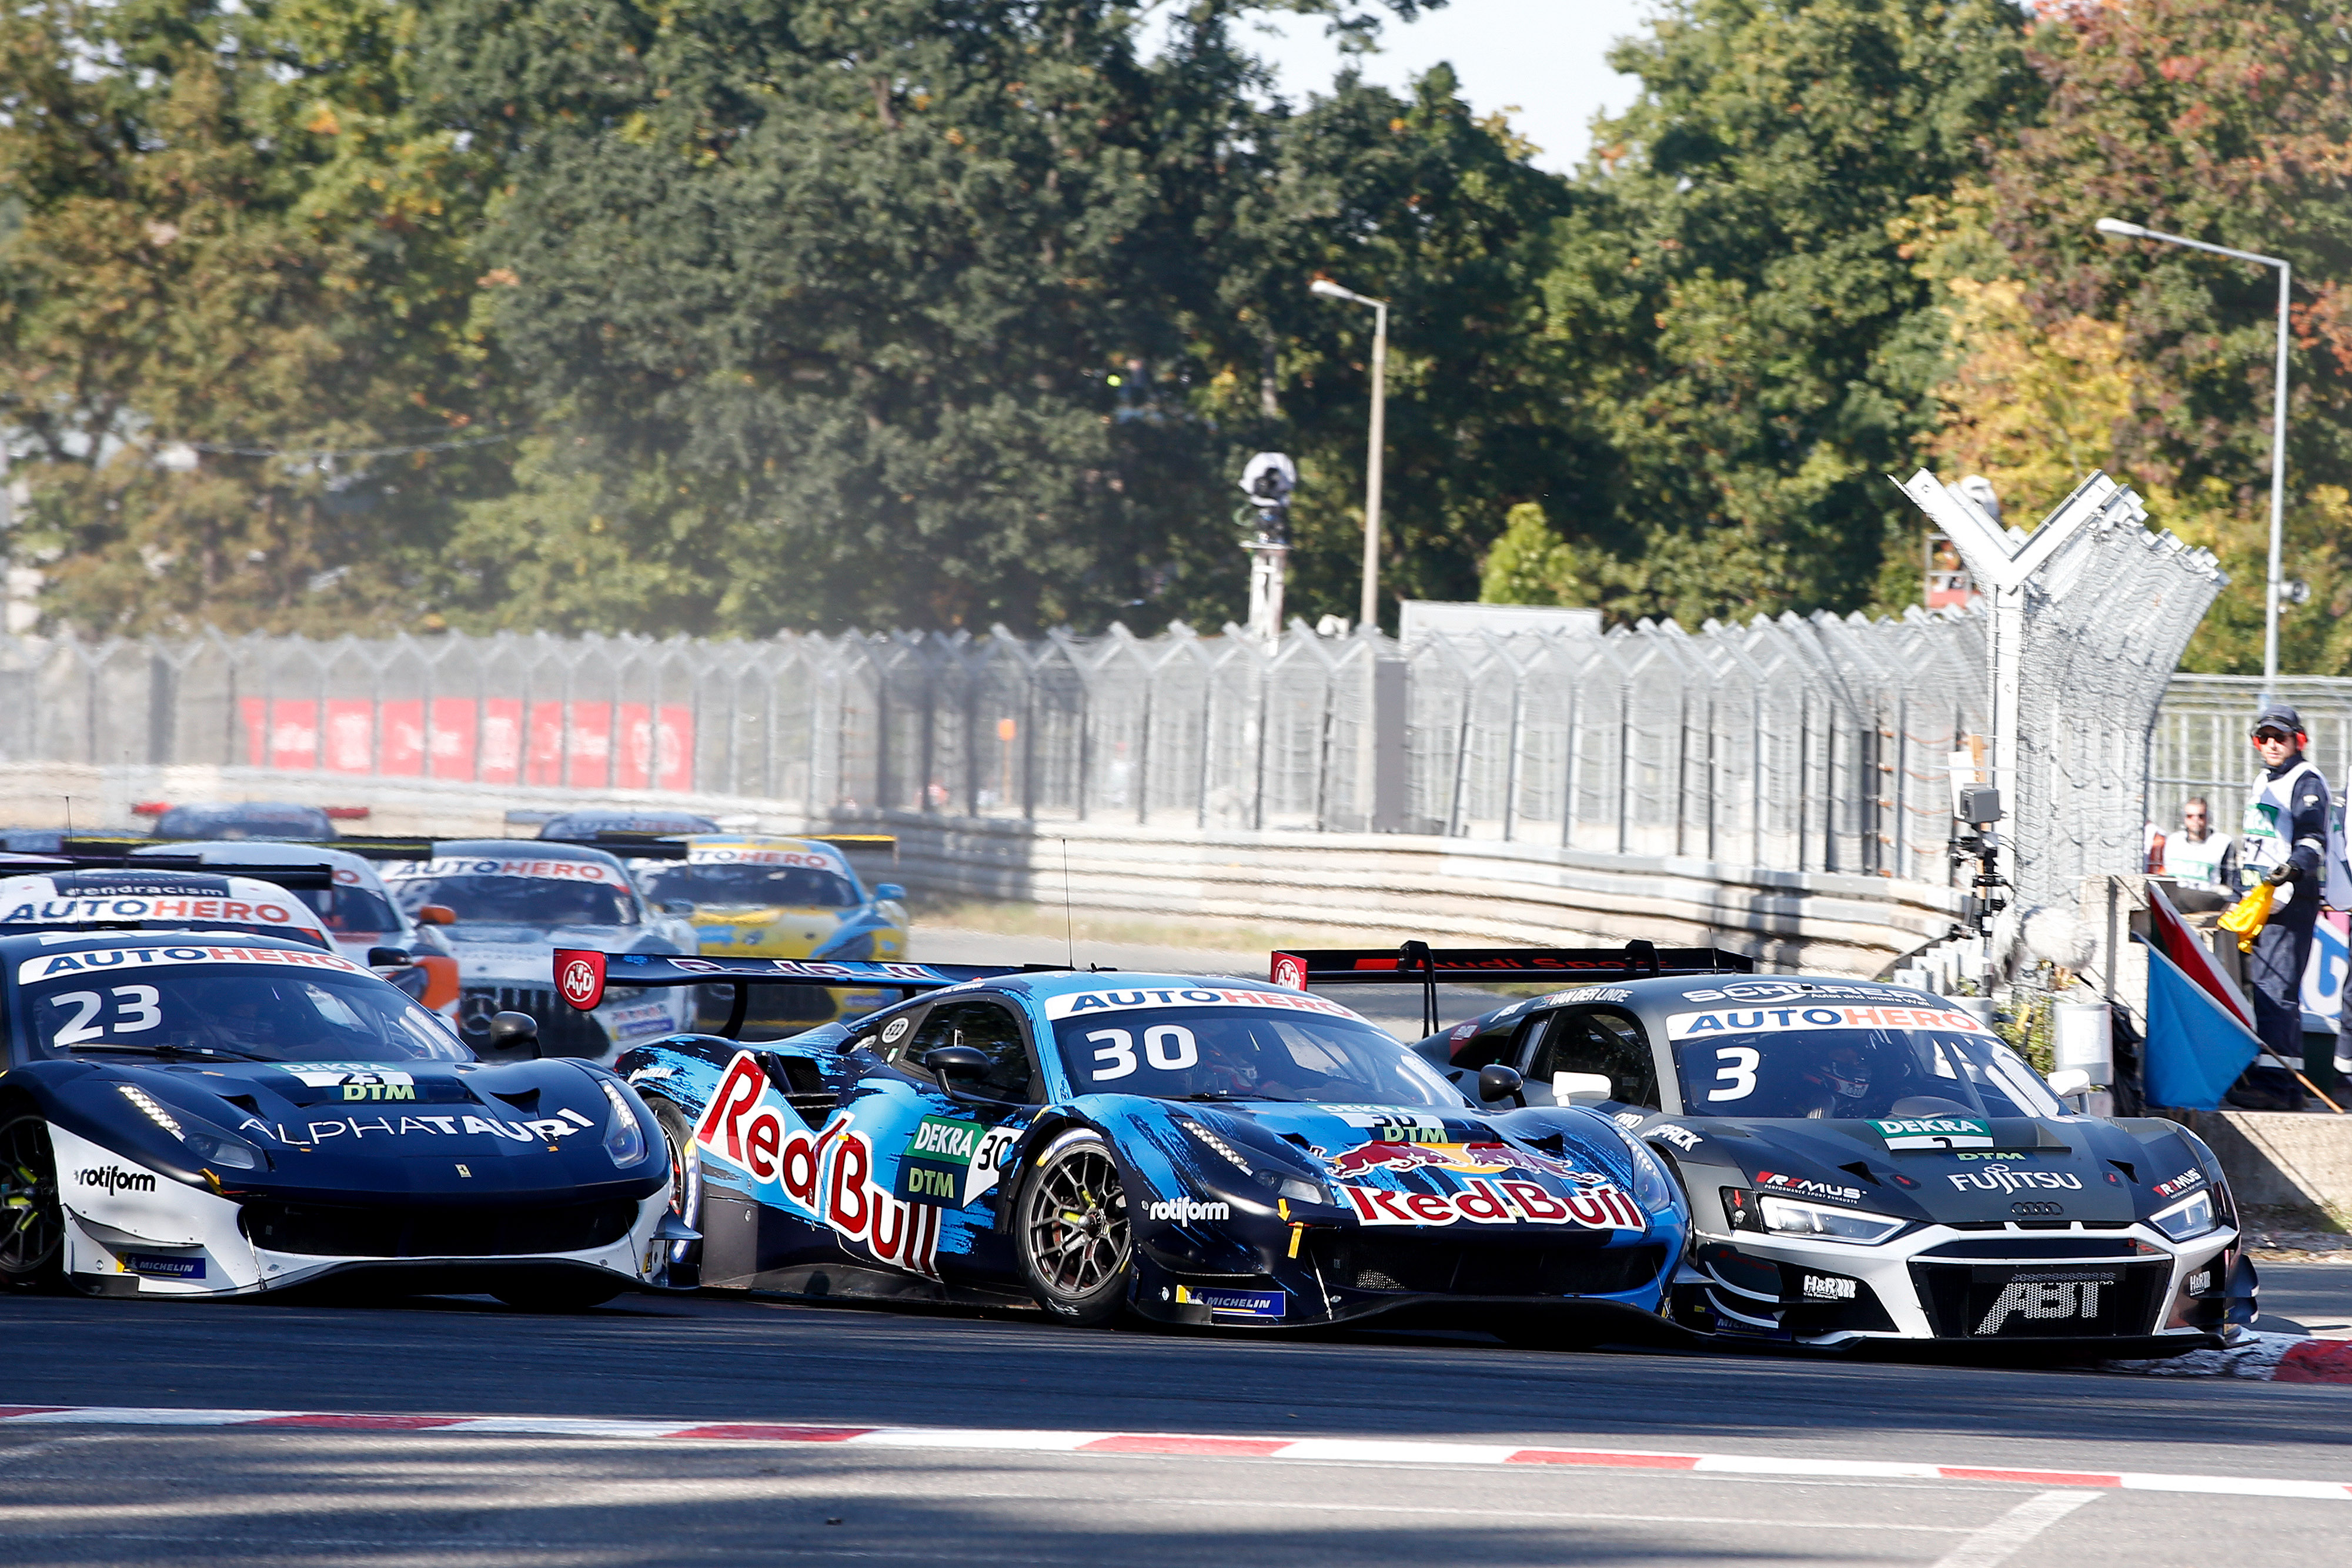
(1863, 1162)
(213, 1112)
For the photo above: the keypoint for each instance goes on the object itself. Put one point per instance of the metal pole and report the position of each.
(1370, 614)
(2278, 495)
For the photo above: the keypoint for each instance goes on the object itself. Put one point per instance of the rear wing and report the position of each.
(1419, 964)
(580, 975)
(79, 854)
(674, 846)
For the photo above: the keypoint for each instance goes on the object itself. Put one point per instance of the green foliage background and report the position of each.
(729, 316)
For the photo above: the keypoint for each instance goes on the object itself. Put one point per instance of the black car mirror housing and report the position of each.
(1497, 1081)
(508, 1030)
(389, 958)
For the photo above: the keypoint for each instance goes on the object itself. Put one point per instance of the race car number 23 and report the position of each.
(1169, 1046)
(1737, 1073)
(134, 1009)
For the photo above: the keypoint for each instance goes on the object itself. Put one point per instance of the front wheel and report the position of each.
(1073, 1239)
(685, 1188)
(32, 1221)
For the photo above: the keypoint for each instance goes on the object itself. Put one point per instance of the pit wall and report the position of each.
(1391, 886)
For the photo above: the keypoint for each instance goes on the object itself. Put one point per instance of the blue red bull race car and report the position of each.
(1096, 1144)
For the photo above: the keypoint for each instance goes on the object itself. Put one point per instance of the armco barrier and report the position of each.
(1391, 886)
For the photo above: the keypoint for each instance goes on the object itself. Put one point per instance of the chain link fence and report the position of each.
(1797, 744)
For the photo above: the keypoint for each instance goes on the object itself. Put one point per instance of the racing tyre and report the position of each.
(32, 1221)
(685, 1188)
(561, 1294)
(1072, 1233)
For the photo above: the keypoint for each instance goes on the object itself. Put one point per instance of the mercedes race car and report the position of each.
(212, 1112)
(1185, 1150)
(160, 898)
(515, 902)
(1863, 1162)
(778, 898)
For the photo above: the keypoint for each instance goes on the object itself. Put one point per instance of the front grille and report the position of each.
(563, 1030)
(2045, 1301)
(1434, 1266)
(2038, 1247)
(329, 1230)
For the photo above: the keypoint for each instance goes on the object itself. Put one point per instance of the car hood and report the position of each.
(2058, 1168)
(496, 952)
(773, 932)
(369, 1132)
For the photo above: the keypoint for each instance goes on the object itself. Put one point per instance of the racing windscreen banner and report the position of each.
(50, 966)
(1301, 967)
(1797, 1020)
(499, 740)
(530, 868)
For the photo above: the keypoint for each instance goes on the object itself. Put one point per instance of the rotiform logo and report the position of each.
(114, 1178)
(1185, 1210)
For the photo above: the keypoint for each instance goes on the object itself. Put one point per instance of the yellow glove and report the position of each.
(2249, 915)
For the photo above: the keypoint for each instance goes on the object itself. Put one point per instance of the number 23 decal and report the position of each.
(135, 1010)
(1737, 1073)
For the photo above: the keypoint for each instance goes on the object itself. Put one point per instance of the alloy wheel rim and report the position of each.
(1077, 1224)
(29, 1228)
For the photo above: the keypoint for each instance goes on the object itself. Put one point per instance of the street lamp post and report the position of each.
(1370, 614)
(2277, 587)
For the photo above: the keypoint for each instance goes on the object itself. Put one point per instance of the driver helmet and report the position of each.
(1841, 1071)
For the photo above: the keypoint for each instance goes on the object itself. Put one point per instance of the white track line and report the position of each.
(1201, 1445)
(1997, 1542)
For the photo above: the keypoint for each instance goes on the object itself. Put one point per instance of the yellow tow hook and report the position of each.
(1297, 1227)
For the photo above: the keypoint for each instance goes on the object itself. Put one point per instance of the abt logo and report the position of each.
(2050, 1298)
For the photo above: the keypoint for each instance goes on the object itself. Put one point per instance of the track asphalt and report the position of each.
(103, 1493)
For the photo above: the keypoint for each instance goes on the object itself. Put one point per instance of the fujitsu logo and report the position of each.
(114, 1178)
(2000, 1178)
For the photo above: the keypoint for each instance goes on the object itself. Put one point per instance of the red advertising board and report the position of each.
(629, 746)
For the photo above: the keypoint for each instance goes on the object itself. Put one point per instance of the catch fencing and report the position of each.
(1814, 744)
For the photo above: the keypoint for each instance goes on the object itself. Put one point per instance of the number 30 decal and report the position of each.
(1169, 1047)
(1737, 1073)
(135, 1010)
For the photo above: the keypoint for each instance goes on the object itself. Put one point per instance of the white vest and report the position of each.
(2195, 864)
(2265, 844)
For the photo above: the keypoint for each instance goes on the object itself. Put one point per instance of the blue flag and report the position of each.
(2195, 1047)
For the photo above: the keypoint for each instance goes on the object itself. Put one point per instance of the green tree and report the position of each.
(224, 237)
(1748, 341)
(1529, 564)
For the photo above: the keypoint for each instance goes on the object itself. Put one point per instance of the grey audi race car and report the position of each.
(1864, 1162)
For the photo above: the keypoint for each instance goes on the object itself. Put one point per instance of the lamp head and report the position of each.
(1329, 289)
(2121, 229)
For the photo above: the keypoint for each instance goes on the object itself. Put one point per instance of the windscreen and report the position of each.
(260, 1004)
(349, 909)
(541, 892)
(751, 887)
(248, 822)
(1203, 1043)
(1840, 1062)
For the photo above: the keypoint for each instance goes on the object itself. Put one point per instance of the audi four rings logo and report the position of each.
(2030, 1209)
(114, 1178)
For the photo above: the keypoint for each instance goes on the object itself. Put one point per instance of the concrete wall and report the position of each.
(1390, 885)
(2282, 1160)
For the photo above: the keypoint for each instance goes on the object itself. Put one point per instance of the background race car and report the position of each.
(1863, 1161)
(208, 1114)
(779, 898)
(1187, 1150)
(160, 899)
(353, 907)
(515, 901)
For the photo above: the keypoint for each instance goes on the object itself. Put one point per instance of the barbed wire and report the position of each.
(325, 451)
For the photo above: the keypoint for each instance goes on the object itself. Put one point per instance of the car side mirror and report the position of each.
(1581, 1088)
(2069, 1080)
(959, 1065)
(889, 890)
(1497, 1081)
(436, 915)
(389, 958)
(510, 1031)
(677, 907)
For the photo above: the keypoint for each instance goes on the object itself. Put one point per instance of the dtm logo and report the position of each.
(114, 1179)
(2050, 1298)
(1185, 1210)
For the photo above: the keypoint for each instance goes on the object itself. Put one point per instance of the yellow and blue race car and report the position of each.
(760, 897)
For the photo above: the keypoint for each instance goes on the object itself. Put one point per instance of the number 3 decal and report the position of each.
(1738, 1072)
(1115, 1059)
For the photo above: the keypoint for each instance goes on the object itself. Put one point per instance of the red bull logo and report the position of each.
(1464, 1159)
(1604, 1206)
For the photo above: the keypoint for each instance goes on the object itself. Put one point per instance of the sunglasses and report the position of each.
(2272, 734)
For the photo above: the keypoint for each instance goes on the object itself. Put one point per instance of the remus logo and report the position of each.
(114, 1178)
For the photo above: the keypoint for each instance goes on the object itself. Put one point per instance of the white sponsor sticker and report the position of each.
(1790, 1021)
(211, 908)
(535, 870)
(50, 966)
(753, 854)
(1082, 1004)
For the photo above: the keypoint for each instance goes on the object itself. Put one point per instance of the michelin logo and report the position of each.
(1186, 1210)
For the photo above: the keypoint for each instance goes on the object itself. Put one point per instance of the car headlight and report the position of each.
(624, 1139)
(2192, 1216)
(1787, 1217)
(1653, 1189)
(1297, 1190)
(234, 1153)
